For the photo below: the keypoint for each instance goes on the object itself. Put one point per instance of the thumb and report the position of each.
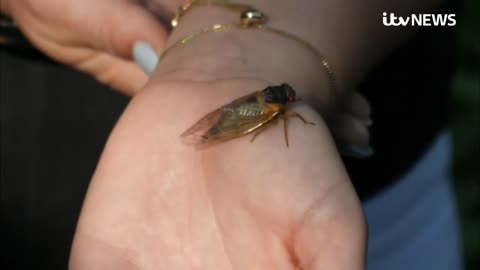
(127, 22)
(332, 237)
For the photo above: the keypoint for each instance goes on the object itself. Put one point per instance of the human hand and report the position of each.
(156, 203)
(349, 123)
(96, 37)
(93, 36)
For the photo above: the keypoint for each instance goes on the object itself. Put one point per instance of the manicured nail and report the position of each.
(357, 151)
(145, 56)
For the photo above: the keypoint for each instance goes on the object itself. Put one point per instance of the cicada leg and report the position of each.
(295, 114)
(285, 128)
(285, 117)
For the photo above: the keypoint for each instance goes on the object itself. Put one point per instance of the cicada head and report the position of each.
(281, 94)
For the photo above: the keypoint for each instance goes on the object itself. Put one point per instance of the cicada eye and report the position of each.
(280, 94)
(289, 93)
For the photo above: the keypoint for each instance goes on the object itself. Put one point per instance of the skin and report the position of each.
(237, 205)
(155, 203)
(92, 36)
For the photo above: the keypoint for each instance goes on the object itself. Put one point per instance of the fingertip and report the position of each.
(357, 105)
(119, 36)
(349, 130)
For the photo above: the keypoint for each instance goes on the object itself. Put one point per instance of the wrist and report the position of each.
(250, 54)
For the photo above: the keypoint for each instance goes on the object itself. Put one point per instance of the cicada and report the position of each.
(245, 115)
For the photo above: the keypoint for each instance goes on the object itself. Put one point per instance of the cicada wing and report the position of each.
(232, 124)
(232, 120)
(196, 133)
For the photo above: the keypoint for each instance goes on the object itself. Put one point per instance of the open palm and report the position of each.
(155, 203)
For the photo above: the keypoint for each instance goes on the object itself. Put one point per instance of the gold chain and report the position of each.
(250, 19)
(182, 10)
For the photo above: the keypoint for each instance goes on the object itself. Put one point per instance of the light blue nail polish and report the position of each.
(145, 56)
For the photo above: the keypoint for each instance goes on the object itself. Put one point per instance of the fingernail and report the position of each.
(357, 151)
(145, 56)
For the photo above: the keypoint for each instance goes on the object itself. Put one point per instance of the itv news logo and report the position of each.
(389, 19)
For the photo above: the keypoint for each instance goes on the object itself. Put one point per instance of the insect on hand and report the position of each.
(244, 115)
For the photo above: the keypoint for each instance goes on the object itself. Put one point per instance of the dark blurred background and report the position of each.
(465, 123)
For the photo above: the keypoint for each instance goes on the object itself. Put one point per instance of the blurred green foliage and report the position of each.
(465, 124)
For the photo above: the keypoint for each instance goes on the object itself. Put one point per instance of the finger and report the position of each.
(145, 56)
(358, 106)
(347, 129)
(5, 8)
(351, 135)
(118, 73)
(127, 23)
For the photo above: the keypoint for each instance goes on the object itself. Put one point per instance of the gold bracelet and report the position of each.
(250, 19)
(182, 10)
